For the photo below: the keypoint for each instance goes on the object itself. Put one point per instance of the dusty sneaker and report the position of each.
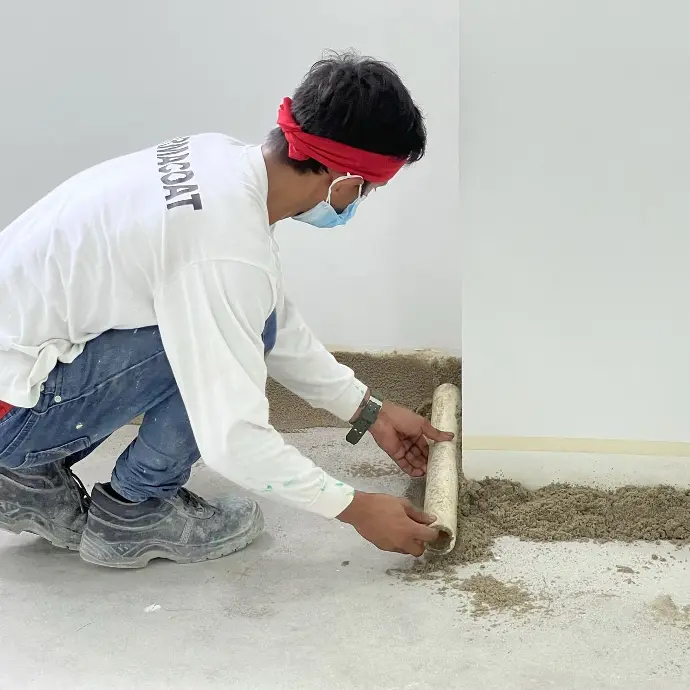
(184, 529)
(48, 501)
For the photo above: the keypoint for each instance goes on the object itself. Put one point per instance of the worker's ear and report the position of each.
(344, 189)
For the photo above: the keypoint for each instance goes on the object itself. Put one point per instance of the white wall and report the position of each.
(83, 81)
(575, 209)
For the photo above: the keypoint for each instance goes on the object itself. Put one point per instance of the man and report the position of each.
(151, 284)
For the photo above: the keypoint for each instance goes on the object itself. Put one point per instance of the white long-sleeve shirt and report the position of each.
(177, 236)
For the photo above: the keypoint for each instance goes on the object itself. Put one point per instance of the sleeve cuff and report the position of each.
(333, 498)
(345, 406)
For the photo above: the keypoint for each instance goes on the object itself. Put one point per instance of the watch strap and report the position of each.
(366, 419)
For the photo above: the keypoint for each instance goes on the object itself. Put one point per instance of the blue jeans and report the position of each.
(120, 374)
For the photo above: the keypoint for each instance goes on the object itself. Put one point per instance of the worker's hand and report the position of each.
(390, 523)
(403, 435)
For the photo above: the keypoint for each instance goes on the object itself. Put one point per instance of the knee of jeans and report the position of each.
(177, 457)
(170, 439)
(147, 460)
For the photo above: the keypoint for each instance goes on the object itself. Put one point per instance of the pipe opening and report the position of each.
(443, 543)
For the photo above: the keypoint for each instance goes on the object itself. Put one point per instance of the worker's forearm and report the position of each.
(304, 366)
(260, 461)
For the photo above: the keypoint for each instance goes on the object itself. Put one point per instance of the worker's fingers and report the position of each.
(416, 450)
(406, 452)
(418, 515)
(415, 548)
(424, 534)
(408, 462)
(419, 521)
(421, 448)
(415, 463)
(410, 469)
(430, 431)
(416, 459)
(395, 448)
(413, 451)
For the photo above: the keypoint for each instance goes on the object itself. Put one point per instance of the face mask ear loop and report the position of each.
(340, 179)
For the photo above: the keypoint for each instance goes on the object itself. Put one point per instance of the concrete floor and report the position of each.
(286, 613)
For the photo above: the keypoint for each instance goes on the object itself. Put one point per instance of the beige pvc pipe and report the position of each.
(441, 494)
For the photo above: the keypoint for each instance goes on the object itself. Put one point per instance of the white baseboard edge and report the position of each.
(603, 470)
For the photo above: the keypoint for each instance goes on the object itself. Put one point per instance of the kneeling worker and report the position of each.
(151, 284)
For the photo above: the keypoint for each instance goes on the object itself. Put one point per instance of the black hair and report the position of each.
(356, 101)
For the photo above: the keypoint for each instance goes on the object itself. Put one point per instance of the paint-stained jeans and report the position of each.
(120, 375)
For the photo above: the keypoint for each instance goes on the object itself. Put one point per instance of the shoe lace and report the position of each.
(78, 489)
(196, 503)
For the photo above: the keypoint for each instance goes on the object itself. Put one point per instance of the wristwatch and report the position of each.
(367, 417)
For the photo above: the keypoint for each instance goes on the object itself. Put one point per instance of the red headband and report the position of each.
(372, 167)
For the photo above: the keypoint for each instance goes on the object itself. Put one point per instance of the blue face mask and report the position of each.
(323, 215)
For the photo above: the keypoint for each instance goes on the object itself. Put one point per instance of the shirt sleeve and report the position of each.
(304, 366)
(211, 316)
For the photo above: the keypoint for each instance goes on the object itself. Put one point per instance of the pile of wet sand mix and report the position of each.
(494, 508)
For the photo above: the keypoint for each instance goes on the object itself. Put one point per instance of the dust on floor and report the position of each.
(490, 594)
(665, 609)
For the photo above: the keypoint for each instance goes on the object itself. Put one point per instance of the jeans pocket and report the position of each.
(51, 455)
(14, 428)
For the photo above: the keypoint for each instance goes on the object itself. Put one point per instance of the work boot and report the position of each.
(48, 501)
(183, 528)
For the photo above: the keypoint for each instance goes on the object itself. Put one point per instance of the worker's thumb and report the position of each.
(418, 515)
(431, 432)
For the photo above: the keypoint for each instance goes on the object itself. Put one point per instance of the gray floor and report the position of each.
(286, 613)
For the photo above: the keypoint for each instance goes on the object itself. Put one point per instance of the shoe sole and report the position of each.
(97, 552)
(69, 541)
